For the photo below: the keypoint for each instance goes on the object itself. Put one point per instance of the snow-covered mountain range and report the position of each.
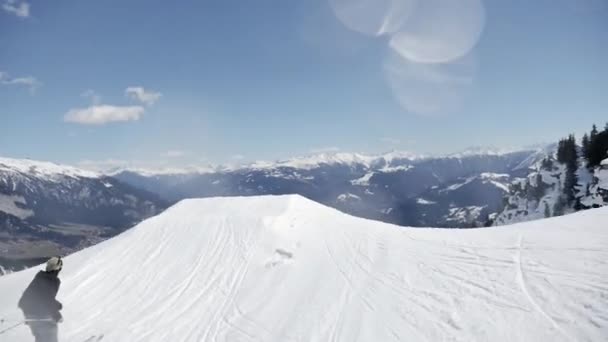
(459, 190)
(283, 268)
(49, 208)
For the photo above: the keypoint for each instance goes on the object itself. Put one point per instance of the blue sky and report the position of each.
(189, 82)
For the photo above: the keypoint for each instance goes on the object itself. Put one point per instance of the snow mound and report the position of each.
(287, 269)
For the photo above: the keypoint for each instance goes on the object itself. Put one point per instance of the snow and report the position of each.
(396, 155)
(525, 209)
(598, 189)
(387, 211)
(315, 161)
(287, 269)
(335, 158)
(363, 181)
(604, 162)
(502, 186)
(602, 176)
(164, 171)
(386, 161)
(458, 185)
(486, 177)
(486, 151)
(464, 214)
(43, 169)
(348, 196)
(540, 152)
(8, 204)
(390, 169)
(494, 176)
(424, 202)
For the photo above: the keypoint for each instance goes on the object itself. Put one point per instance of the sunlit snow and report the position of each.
(288, 269)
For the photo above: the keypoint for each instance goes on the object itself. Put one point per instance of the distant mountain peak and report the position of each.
(43, 169)
(316, 160)
(164, 171)
(490, 151)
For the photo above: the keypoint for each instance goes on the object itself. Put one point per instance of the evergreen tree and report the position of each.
(593, 133)
(558, 207)
(547, 210)
(571, 160)
(568, 155)
(578, 205)
(537, 191)
(585, 143)
(598, 149)
(561, 151)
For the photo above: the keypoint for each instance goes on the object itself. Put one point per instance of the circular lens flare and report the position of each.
(429, 89)
(440, 31)
(373, 17)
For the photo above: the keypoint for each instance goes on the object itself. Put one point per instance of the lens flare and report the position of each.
(429, 89)
(373, 17)
(440, 31)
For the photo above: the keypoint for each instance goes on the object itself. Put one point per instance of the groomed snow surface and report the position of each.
(288, 269)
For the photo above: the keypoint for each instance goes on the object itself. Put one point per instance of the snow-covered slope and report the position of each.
(288, 269)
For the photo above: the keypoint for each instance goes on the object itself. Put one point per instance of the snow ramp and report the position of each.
(283, 268)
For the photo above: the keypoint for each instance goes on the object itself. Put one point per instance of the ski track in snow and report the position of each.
(522, 284)
(282, 268)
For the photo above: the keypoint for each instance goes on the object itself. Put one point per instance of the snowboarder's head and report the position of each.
(54, 264)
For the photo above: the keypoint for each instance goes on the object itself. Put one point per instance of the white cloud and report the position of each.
(174, 154)
(325, 149)
(238, 157)
(102, 114)
(30, 82)
(140, 94)
(20, 9)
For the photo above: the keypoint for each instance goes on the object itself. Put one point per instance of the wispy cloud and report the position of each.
(147, 97)
(28, 81)
(238, 157)
(103, 114)
(174, 154)
(18, 8)
(325, 149)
